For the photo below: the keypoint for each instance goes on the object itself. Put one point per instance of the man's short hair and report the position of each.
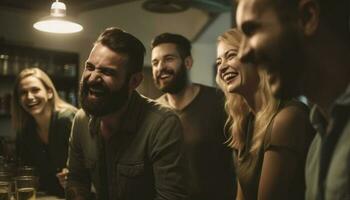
(183, 45)
(335, 13)
(337, 16)
(122, 42)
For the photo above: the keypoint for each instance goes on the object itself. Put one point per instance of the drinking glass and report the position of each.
(5, 190)
(26, 171)
(26, 187)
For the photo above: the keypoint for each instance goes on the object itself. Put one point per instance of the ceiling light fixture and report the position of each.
(57, 22)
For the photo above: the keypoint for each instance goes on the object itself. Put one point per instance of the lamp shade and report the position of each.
(57, 22)
(57, 25)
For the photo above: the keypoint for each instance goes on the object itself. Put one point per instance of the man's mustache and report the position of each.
(95, 86)
(165, 71)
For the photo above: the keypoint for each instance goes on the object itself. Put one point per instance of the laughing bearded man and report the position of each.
(123, 145)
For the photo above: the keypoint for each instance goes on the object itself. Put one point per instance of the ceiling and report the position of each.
(212, 8)
(78, 6)
(201, 27)
(43, 5)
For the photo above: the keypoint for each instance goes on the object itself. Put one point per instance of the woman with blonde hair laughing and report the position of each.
(270, 131)
(42, 121)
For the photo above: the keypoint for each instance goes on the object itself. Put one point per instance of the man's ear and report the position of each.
(309, 16)
(188, 62)
(135, 80)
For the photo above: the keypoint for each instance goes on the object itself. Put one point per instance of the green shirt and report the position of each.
(48, 159)
(328, 162)
(146, 163)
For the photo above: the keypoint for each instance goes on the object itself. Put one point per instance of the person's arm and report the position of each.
(288, 137)
(78, 182)
(65, 126)
(239, 192)
(62, 177)
(169, 164)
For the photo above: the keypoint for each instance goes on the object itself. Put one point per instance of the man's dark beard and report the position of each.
(287, 61)
(109, 102)
(292, 60)
(177, 84)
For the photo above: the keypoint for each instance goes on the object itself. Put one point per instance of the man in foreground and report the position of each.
(308, 41)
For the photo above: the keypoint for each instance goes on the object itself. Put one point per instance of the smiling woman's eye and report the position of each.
(35, 90)
(231, 55)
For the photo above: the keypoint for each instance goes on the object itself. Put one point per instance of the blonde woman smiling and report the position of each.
(42, 121)
(270, 132)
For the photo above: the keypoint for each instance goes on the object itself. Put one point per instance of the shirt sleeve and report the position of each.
(169, 163)
(60, 133)
(79, 181)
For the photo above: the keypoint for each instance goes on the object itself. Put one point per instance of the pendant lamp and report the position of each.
(57, 22)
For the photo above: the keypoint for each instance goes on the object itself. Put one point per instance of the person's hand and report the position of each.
(62, 177)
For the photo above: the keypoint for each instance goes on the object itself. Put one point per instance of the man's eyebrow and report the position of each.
(170, 54)
(106, 68)
(166, 55)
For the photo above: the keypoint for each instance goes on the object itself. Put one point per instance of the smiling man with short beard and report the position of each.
(201, 110)
(172, 85)
(123, 145)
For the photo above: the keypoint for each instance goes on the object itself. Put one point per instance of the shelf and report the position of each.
(59, 81)
(5, 115)
(7, 77)
(62, 67)
(53, 77)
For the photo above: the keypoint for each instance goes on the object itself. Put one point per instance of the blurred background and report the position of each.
(62, 56)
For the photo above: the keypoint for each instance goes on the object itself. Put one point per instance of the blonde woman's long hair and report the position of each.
(21, 118)
(238, 109)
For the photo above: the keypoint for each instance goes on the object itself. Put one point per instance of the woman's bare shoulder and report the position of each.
(291, 127)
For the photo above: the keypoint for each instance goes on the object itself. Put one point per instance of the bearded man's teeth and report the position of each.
(165, 76)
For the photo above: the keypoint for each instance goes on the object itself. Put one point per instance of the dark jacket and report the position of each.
(47, 159)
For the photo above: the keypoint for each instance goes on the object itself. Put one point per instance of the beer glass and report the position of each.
(5, 190)
(26, 171)
(26, 187)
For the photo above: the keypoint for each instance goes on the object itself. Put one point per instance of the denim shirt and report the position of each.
(147, 158)
(328, 163)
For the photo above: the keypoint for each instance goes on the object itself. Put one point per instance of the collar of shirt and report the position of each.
(340, 105)
(344, 99)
